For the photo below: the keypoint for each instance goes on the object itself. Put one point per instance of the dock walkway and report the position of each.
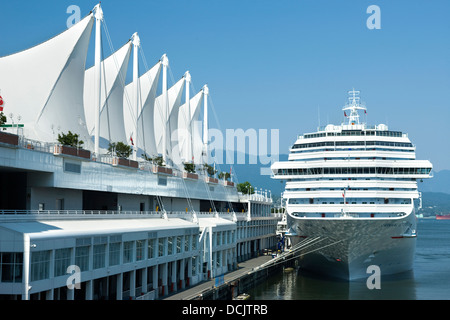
(244, 268)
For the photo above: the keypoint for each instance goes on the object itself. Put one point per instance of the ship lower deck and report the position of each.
(344, 247)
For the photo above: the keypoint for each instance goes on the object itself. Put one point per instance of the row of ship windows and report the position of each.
(360, 179)
(348, 201)
(354, 170)
(354, 133)
(352, 158)
(351, 189)
(352, 143)
(353, 149)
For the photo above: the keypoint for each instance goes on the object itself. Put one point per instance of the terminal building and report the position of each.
(83, 222)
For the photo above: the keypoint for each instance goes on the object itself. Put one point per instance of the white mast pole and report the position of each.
(136, 44)
(205, 122)
(165, 63)
(98, 44)
(187, 78)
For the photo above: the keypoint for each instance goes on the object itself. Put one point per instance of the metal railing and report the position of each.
(111, 212)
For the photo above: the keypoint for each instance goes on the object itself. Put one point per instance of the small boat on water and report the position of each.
(443, 217)
(243, 296)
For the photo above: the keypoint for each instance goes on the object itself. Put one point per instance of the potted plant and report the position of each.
(225, 176)
(122, 152)
(70, 144)
(211, 171)
(158, 164)
(189, 171)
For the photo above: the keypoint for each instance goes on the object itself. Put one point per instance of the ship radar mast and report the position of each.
(353, 105)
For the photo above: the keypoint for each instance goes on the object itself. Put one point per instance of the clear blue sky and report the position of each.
(279, 64)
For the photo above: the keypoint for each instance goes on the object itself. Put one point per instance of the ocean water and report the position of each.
(429, 280)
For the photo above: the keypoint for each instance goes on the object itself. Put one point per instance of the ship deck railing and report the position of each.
(350, 215)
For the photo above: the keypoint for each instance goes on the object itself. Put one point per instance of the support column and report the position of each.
(164, 273)
(187, 78)
(133, 284)
(26, 267)
(182, 267)
(136, 44)
(205, 123)
(89, 290)
(155, 280)
(174, 276)
(165, 63)
(71, 294)
(144, 277)
(49, 294)
(119, 285)
(189, 279)
(97, 70)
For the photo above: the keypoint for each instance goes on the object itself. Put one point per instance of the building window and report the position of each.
(186, 243)
(114, 253)
(140, 250)
(151, 248)
(162, 181)
(194, 265)
(161, 247)
(62, 261)
(11, 266)
(128, 251)
(179, 244)
(170, 245)
(194, 242)
(99, 256)
(40, 265)
(82, 258)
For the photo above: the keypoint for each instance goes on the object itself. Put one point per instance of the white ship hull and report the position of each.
(350, 193)
(346, 247)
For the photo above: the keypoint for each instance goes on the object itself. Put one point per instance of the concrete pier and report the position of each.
(232, 284)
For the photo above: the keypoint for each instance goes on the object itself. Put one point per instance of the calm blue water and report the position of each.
(430, 278)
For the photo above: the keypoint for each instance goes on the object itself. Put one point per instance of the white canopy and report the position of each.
(113, 72)
(173, 103)
(147, 94)
(186, 126)
(44, 84)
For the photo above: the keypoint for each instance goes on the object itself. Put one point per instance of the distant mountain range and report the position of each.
(435, 191)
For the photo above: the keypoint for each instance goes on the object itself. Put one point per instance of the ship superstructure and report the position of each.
(353, 187)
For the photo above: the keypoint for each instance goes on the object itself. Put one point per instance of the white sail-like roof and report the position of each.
(113, 72)
(44, 84)
(147, 94)
(174, 101)
(186, 126)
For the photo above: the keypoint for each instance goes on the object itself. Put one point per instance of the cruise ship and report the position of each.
(87, 222)
(350, 196)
